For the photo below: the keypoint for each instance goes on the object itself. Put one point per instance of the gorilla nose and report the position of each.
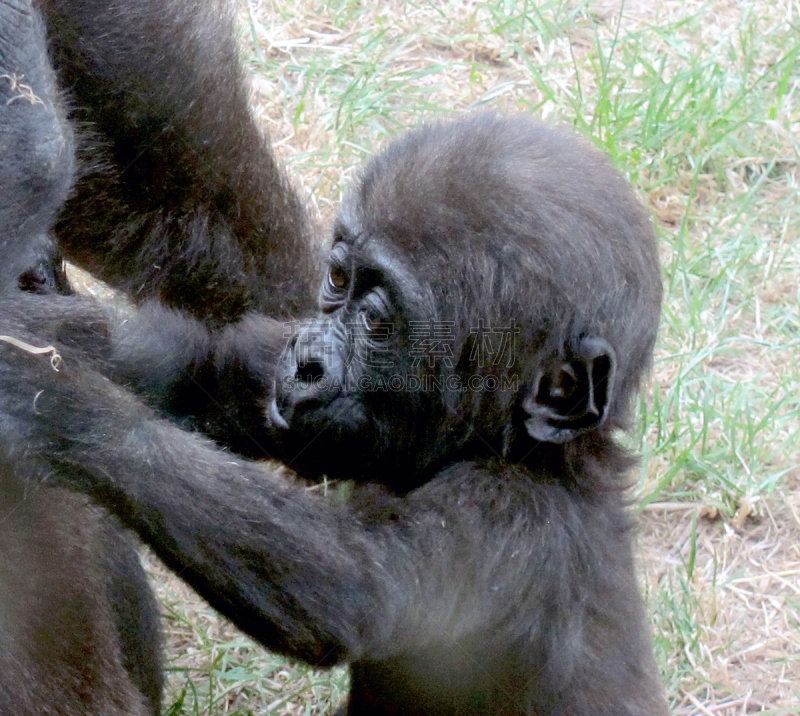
(299, 395)
(313, 384)
(308, 378)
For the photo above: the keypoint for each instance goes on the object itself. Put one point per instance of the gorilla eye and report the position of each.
(338, 278)
(373, 316)
(371, 320)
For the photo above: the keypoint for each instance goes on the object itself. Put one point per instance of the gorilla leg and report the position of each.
(66, 644)
(133, 608)
(182, 199)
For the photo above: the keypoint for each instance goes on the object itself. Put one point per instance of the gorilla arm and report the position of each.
(477, 567)
(300, 575)
(217, 382)
(181, 198)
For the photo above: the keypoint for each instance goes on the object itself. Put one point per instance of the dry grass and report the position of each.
(745, 589)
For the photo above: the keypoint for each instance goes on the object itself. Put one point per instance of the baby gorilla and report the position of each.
(500, 263)
(489, 311)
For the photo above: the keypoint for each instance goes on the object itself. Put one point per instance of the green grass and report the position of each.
(698, 104)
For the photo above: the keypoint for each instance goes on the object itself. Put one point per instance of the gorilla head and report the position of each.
(493, 285)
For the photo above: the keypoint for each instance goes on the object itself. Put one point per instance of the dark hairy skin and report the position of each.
(176, 199)
(79, 633)
(493, 574)
(79, 626)
(218, 382)
(36, 146)
(180, 204)
(179, 197)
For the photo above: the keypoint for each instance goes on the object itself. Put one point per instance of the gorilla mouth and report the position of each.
(342, 420)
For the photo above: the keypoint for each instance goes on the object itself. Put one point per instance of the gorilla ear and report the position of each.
(570, 397)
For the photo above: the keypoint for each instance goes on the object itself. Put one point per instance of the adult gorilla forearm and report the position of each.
(217, 382)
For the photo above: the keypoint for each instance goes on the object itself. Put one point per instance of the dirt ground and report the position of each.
(744, 594)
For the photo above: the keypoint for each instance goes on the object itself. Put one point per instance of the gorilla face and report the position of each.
(356, 384)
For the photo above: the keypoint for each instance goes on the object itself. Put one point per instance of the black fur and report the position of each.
(79, 627)
(177, 198)
(180, 204)
(495, 575)
(500, 224)
(36, 147)
(180, 197)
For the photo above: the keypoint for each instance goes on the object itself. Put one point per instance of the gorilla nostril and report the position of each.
(310, 372)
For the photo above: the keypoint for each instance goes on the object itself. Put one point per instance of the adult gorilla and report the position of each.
(495, 574)
(180, 203)
(79, 632)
